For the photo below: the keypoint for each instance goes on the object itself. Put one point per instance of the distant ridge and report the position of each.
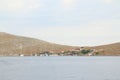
(14, 45)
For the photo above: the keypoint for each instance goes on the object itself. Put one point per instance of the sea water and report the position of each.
(60, 68)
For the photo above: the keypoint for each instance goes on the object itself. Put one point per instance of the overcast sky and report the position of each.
(70, 22)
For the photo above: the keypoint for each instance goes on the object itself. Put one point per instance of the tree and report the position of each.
(84, 51)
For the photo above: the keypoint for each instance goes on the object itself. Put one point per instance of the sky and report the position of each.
(68, 22)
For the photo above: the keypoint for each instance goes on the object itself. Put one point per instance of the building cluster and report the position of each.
(72, 52)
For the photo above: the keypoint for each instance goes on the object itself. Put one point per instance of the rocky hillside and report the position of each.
(14, 45)
(109, 50)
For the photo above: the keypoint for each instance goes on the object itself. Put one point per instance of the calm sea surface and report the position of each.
(59, 68)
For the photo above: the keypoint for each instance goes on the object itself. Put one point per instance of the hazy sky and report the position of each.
(70, 22)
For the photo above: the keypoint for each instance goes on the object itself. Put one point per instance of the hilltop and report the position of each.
(14, 45)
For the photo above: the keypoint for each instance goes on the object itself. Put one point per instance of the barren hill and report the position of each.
(109, 50)
(14, 45)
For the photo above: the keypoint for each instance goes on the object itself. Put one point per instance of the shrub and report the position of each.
(84, 51)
